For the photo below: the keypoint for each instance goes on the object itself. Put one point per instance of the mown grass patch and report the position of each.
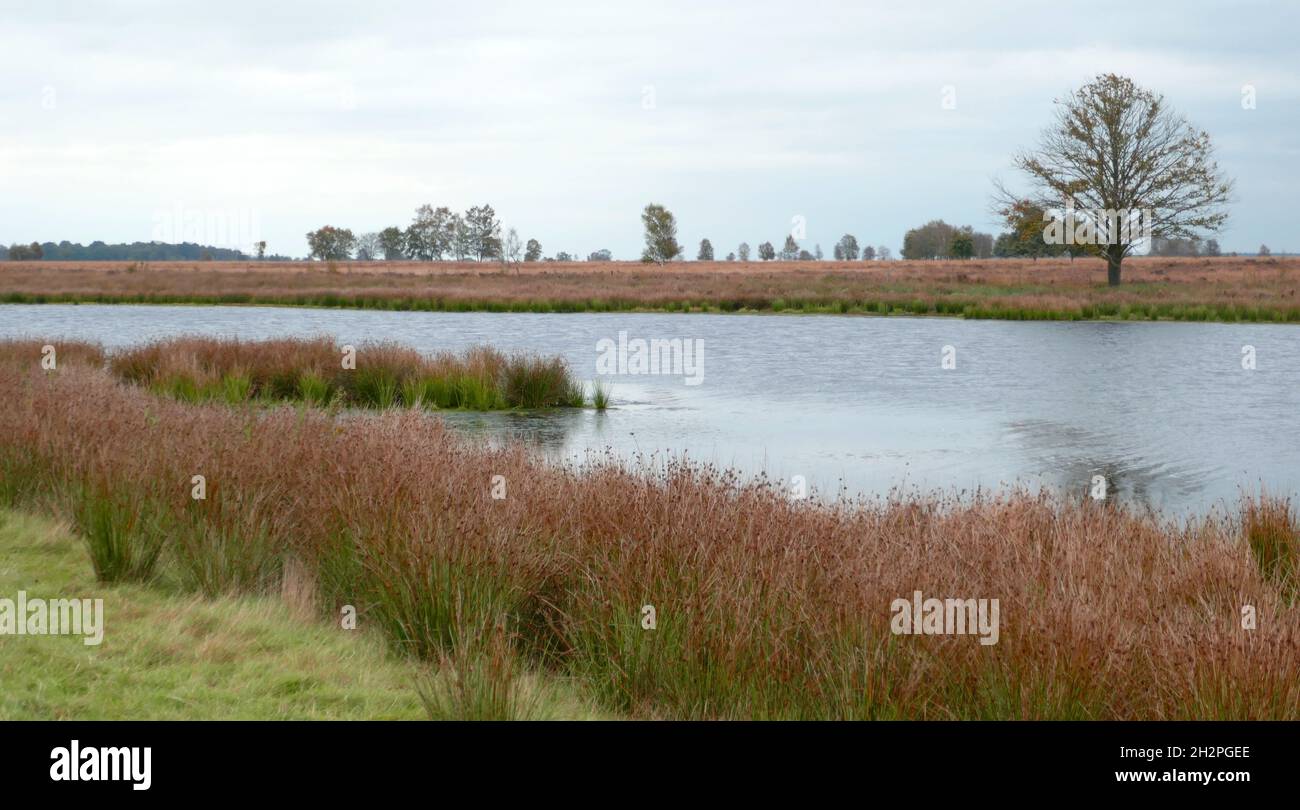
(170, 656)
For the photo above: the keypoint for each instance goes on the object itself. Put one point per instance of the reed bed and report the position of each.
(313, 370)
(765, 607)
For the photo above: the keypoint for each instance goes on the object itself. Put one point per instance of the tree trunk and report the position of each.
(1112, 269)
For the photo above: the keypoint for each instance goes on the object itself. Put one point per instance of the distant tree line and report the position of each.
(136, 251)
(1184, 247)
(937, 239)
(845, 250)
(439, 234)
(434, 235)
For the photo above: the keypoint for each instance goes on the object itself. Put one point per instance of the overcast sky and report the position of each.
(122, 121)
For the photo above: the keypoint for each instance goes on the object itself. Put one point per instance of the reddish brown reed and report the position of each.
(317, 369)
(765, 607)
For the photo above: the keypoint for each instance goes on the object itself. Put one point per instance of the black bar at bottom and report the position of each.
(334, 759)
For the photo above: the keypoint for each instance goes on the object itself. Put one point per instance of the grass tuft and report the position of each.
(1273, 533)
(121, 531)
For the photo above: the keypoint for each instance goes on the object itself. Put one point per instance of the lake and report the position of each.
(1165, 411)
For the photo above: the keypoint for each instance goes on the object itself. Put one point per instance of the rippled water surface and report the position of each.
(1164, 410)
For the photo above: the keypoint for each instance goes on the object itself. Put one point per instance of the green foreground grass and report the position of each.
(169, 655)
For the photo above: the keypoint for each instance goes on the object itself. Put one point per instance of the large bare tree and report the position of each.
(1117, 148)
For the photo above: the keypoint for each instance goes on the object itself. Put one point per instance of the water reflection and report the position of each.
(548, 431)
(1072, 456)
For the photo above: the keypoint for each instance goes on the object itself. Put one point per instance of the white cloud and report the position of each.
(327, 113)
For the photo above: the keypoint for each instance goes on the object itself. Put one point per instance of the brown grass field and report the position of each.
(766, 607)
(1217, 289)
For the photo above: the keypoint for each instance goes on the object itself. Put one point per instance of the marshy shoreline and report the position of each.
(496, 569)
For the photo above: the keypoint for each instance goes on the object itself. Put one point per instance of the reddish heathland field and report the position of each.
(1226, 288)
